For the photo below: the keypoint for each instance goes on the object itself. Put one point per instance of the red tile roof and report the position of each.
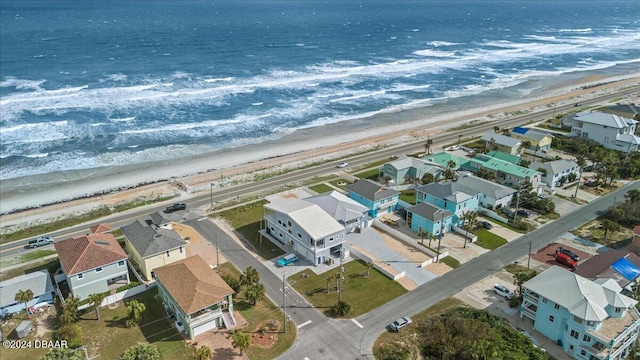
(88, 252)
(193, 284)
(100, 229)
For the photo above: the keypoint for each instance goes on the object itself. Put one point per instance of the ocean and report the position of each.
(88, 84)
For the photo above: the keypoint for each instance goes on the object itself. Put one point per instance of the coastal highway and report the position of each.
(226, 193)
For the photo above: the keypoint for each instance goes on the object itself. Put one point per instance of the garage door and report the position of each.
(206, 327)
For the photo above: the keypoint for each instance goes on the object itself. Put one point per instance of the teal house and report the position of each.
(451, 196)
(429, 218)
(378, 198)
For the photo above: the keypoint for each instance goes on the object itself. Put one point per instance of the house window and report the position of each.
(556, 306)
(320, 242)
(618, 310)
(551, 318)
(167, 253)
(583, 353)
(591, 323)
(121, 263)
(574, 334)
(331, 239)
(586, 338)
(289, 223)
(80, 276)
(180, 249)
(570, 348)
(544, 300)
(300, 235)
(279, 222)
(98, 269)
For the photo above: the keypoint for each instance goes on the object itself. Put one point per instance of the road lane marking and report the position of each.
(304, 324)
(357, 323)
(306, 358)
(204, 218)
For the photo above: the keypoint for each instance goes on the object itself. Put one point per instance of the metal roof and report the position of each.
(604, 119)
(340, 206)
(38, 282)
(309, 216)
(501, 139)
(486, 187)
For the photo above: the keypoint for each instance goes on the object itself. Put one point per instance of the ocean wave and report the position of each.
(434, 53)
(442, 43)
(586, 30)
(35, 156)
(126, 119)
(22, 84)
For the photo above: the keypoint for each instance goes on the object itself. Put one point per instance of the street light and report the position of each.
(441, 211)
(211, 192)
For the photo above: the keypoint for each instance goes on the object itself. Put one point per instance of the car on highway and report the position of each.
(502, 290)
(175, 207)
(568, 252)
(343, 165)
(487, 225)
(400, 323)
(288, 259)
(40, 241)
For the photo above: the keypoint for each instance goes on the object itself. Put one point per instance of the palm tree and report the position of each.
(141, 351)
(240, 340)
(431, 237)
(203, 353)
(96, 300)
(369, 267)
(249, 277)
(469, 218)
(255, 293)
(24, 297)
(633, 196)
(427, 146)
(69, 310)
(496, 129)
(135, 309)
(459, 138)
(342, 308)
(581, 161)
(609, 226)
(526, 144)
(330, 279)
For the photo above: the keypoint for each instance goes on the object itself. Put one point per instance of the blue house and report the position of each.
(457, 199)
(588, 319)
(429, 218)
(376, 197)
(38, 282)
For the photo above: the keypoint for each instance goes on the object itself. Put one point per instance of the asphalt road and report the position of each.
(223, 194)
(344, 339)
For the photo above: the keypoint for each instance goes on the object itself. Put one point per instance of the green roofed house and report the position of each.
(514, 159)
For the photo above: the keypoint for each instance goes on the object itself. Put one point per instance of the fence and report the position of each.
(473, 238)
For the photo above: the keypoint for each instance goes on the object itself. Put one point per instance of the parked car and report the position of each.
(566, 260)
(400, 323)
(40, 241)
(501, 290)
(487, 225)
(175, 207)
(288, 259)
(343, 165)
(568, 252)
(454, 148)
(523, 213)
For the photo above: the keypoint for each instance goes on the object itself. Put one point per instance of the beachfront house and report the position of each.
(629, 111)
(153, 243)
(492, 195)
(427, 217)
(493, 141)
(410, 169)
(556, 172)
(305, 228)
(39, 282)
(346, 211)
(378, 198)
(587, 319)
(539, 140)
(612, 131)
(93, 263)
(196, 296)
(451, 196)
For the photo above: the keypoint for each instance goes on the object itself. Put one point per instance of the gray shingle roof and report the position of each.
(39, 282)
(604, 119)
(428, 211)
(555, 166)
(150, 239)
(501, 139)
(371, 190)
(451, 191)
(486, 187)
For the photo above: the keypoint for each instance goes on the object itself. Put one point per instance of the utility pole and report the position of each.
(441, 234)
(217, 252)
(529, 259)
(284, 306)
(211, 196)
(340, 278)
(515, 214)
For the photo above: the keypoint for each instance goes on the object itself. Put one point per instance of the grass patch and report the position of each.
(340, 183)
(246, 220)
(371, 174)
(30, 256)
(550, 216)
(452, 262)
(66, 222)
(109, 337)
(321, 188)
(489, 240)
(408, 196)
(258, 314)
(469, 125)
(50, 265)
(356, 288)
(435, 310)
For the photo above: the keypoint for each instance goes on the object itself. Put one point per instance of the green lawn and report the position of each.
(257, 316)
(372, 174)
(109, 337)
(489, 240)
(246, 220)
(408, 196)
(50, 265)
(437, 309)
(362, 293)
(340, 183)
(321, 188)
(452, 262)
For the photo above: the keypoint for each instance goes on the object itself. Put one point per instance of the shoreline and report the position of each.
(326, 143)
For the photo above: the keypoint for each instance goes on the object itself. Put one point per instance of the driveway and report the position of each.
(564, 207)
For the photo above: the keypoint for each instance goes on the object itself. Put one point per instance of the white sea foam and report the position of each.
(434, 53)
(22, 84)
(586, 30)
(442, 43)
(220, 79)
(34, 156)
(127, 119)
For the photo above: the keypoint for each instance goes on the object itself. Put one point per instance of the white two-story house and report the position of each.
(612, 131)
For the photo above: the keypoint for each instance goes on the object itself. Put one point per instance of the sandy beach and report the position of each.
(76, 191)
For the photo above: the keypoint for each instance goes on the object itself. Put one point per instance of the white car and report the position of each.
(400, 323)
(454, 148)
(343, 165)
(503, 291)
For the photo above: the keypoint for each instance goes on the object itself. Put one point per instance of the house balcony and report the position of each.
(616, 331)
(529, 310)
(204, 317)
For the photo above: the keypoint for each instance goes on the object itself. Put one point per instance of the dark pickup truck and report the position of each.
(175, 207)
